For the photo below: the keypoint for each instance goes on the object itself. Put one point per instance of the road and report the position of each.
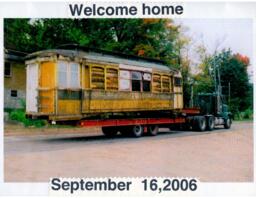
(218, 156)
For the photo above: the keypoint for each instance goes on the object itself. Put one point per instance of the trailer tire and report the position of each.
(210, 123)
(152, 130)
(227, 123)
(200, 123)
(109, 131)
(137, 131)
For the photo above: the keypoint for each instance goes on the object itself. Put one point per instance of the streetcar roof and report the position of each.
(103, 56)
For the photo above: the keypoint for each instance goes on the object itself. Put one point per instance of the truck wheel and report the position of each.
(210, 123)
(137, 131)
(201, 123)
(109, 131)
(152, 130)
(227, 123)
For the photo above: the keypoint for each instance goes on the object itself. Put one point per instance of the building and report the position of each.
(14, 79)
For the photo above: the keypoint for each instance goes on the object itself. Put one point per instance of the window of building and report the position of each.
(177, 81)
(7, 69)
(14, 93)
(68, 75)
(136, 78)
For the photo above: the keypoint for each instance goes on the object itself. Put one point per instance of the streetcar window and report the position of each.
(146, 86)
(177, 81)
(62, 74)
(156, 83)
(68, 74)
(165, 84)
(136, 81)
(136, 75)
(112, 79)
(74, 75)
(97, 78)
(124, 80)
(146, 82)
(135, 85)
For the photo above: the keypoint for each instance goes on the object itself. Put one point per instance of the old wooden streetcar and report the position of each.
(74, 83)
(65, 84)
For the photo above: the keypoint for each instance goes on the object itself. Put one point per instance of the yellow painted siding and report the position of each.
(178, 97)
(125, 105)
(85, 77)
(99, 89)
(47, 83)
(17, 80)
(178, 101)
(71, 107)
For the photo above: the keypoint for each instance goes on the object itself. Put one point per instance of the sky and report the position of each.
(236, 34)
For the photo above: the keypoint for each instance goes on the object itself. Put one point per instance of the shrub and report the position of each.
(19, 115)
(248, 114)
(244, 115)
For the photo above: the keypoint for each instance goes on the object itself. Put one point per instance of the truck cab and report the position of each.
(211, 105)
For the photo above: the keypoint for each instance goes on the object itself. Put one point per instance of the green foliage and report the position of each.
(233, 75)
(244, 115)
(187, 83)
(19, 115)
(156, 38)
(17, 34)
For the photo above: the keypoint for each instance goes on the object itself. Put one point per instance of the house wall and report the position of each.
(17, 81)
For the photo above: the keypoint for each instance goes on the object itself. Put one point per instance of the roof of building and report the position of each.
(14, 55)
(73, 50)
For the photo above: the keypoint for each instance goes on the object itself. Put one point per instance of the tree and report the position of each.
(17, 34)
(234, 72)
(233, 75)
(154, 38)
(204, 82)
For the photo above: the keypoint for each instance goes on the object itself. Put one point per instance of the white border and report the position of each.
(59, 9)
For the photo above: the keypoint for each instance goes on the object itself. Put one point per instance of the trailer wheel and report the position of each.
(152, 130)
(109, 131)
(227, 123)
(210, 123)
(137, 131)
(200, 123)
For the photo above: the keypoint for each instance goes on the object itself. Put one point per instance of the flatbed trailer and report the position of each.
(131, 122)
(187, 119)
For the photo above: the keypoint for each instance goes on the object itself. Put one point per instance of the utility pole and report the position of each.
(229, 87)
(192, 96)
(217, 82)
